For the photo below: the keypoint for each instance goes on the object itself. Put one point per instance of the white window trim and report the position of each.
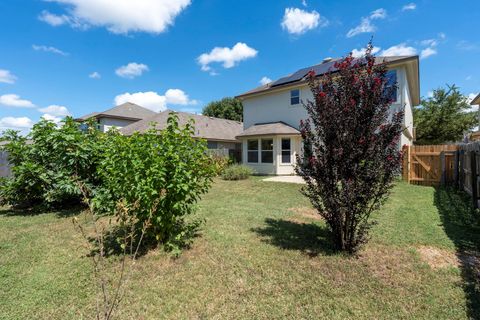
(281, 151)
(299, 97)
(261, 150)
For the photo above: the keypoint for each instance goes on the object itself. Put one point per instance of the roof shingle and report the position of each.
(205, 127)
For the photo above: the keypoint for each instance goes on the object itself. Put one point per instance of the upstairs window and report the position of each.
(294, 97)
(392, 83)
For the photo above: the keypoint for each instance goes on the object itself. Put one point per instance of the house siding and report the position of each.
(106, 123)
(275, 107)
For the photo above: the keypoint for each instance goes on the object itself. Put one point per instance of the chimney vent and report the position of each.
(327, 59)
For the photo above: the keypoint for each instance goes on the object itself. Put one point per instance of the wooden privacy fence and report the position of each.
(456, 165)
(429, 165)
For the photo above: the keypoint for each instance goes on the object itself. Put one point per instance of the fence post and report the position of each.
(442, 165)
(462, 170)
(473, 169)
(456, 168)
(409, 167)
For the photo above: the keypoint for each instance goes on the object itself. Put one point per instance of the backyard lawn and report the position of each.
(262, 254)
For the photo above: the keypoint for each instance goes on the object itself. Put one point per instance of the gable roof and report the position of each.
(271, 128)
(205, 127)
(127, 110)
(476, 100)
(300, 76)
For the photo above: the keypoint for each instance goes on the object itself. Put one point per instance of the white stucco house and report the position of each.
(272, 113)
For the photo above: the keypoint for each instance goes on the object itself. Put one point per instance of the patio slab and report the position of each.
(288, 179)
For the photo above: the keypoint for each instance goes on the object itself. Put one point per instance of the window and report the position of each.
(286, 151)
(392, 82)
(267, 151)
(212, 145)
(252, 151)
(295, 97)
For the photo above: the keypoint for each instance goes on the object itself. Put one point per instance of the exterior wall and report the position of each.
(274, 107)
(277, 167)
(106, 123)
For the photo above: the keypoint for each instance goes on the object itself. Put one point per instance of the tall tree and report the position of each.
(227, 108)
(351, 154)
(444, 117)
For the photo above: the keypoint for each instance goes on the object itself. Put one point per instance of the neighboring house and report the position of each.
(272, 113)
(219, 133)
(475, 136)
(119, 116)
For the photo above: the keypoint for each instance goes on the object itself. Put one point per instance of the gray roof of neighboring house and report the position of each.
(300, 76)
(272, 128)
(127, 110)
(476, 100)
(205, 127)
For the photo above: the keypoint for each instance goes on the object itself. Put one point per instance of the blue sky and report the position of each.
(79, 56)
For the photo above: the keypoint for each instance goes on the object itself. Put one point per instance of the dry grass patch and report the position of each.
(438, 258)
(306, 212)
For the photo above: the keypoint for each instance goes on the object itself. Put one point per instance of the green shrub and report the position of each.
(237, 172)
(159, 176)
(220, 163)
(48, 164)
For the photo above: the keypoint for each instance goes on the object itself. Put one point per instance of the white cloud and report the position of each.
(95, 75)
(179, 97)
(297, 21)
(360, 53)
(120, 16)
(410, 6)
(131, 70)
(53, 19)
(13, 100)
(378, 14)
(366, 25)
(399, 50)
(228, 57)
(430, 94)
(55, 110)
(49, 49)
(52, 118)
(468, 78)
(429, 42)
(7, 77)
(304, 3)
(265, 80)
(427, 52)
(154, 101)
(470, 97)
(22, 124)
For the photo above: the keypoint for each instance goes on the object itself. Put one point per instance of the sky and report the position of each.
(73, 57)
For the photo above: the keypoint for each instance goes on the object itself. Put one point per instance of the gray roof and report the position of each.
(272, 128)
(300, 76)
(205, 127)
(127, 110)
(476, 100)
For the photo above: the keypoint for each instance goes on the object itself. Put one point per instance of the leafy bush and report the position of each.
(237, 172)
(159, 176)
(48, 163)
(351, 154)
(219, 163)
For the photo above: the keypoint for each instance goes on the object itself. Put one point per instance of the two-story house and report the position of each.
(272, 113)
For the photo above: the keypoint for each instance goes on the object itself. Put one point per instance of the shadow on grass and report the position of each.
(462, 225)
(308, 238)
(69, 211)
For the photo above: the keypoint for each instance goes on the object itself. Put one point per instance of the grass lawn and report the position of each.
(262, 254)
